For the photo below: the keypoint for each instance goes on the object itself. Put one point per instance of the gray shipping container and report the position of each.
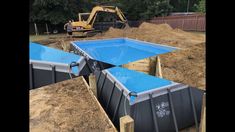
(48, 65)
(155, 104)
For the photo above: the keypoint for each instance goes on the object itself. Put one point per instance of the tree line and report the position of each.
(59, 11)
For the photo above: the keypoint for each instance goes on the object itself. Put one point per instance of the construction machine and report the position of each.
(85, 26)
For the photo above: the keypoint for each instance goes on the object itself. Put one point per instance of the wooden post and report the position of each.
(182, 24)
(47, 29)
(158, 68)
(36, 29)
(196, 21)
(203, 116)
(126, 124)
(92, 83)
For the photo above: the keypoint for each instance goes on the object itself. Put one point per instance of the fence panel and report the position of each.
(187, 23)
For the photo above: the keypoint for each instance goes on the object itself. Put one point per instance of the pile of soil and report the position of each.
(161, 33)
(66, 106)
(57, 43)
(185, 66)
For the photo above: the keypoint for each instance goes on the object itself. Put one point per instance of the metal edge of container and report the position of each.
(126, 38)
(119, 85)
(81, 51)
(142, 96)
(87, 56)
(100, 39)
(160, 92)
(153, 44)
(60, 67)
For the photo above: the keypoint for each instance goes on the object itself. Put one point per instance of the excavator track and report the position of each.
(92, 33)
(89, 33)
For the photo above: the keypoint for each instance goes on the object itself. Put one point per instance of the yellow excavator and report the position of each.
(86, 26)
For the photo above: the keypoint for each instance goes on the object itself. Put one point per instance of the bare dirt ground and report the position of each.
(66, 106)
(186, 66)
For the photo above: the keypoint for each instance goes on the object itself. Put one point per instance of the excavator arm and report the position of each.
(86, 26)
(111, 9)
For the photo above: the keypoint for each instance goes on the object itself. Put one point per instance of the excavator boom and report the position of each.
(87, 25)
(110, 9)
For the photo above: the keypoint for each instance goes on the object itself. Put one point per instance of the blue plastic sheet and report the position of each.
(121, 51)
(137, 81)
(42, 53)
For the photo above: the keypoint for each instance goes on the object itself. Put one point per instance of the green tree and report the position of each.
(181, 5)
(55, 11)
(201, 7)
(59, 11)
(145, 9)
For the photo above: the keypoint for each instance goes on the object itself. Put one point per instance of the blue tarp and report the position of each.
(121, 51)
(137, 81)
(42, 53)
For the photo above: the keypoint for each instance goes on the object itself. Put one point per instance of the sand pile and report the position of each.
(161, 33)
(186, 66)
(67, 106)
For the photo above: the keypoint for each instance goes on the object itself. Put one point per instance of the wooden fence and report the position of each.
(186, 22)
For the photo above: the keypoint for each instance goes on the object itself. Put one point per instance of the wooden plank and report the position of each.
(138, 67)
(65, 45)
(36, 29)
(126, 124)
(92, 82)
(158, 68)
(47, 29)
(141, 65)
(144, 63)
(101, 108)
(203, 116)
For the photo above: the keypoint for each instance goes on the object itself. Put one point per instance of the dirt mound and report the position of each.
(58, 43)
(114, 32)
(185, 66)
(159, 27)
(161, 33)
(66, 106)
(46, 41)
